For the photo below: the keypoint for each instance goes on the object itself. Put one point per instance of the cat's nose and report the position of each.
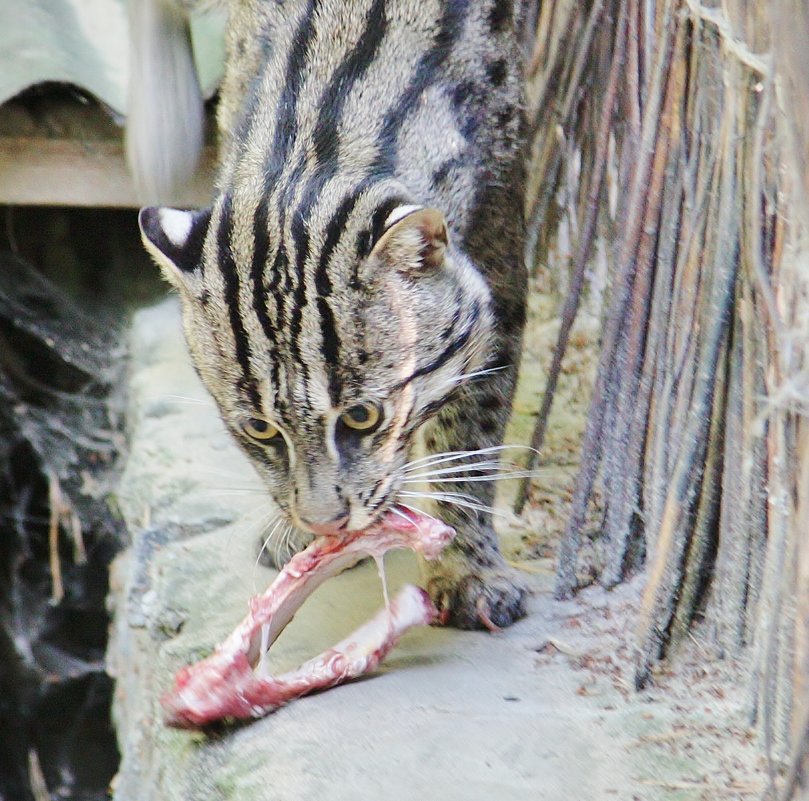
(335, 526)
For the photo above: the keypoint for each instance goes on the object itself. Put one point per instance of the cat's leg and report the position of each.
(472, 584)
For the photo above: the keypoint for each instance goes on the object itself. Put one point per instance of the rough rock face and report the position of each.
(195, 514)
(174, 576)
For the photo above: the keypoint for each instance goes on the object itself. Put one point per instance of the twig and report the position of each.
(55, 502)
(62, 513)
(541, 184)
(592, 444)
(714, 16)
(573, 299)
(669, 563)
(798, 762)
(712, 787)
(36, 778)
(623, 456)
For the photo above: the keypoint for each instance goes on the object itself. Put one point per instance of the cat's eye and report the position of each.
(364, 417)
(259, 429)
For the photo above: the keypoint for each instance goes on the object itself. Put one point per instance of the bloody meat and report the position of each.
(232, 682)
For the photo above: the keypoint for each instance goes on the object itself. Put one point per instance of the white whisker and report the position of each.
(267, 539)
(420, 511)
(473, 479)
(453, 456)
(462, 468)
(469, 466)
(286, 541)
(180, 399)
(466, 376)
(454, 498)
(416, 510)
(253, 522)
(449, 456)
(237, 491)
(400, 513)
(448, 494)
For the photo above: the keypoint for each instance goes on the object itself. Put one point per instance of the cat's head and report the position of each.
(328, 345)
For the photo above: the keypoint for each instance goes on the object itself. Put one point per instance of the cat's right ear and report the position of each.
(175, 239)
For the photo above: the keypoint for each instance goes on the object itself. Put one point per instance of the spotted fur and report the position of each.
(364, 246)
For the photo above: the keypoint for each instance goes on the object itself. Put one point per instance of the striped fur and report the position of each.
(364, 246)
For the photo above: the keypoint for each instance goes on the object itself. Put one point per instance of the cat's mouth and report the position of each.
(233, 682)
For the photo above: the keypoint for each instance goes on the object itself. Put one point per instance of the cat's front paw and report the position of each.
(485, 598)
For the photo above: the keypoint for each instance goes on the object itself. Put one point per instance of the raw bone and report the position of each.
(226, 685)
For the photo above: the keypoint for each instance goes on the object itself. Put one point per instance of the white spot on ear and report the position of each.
(176, 225)
(399, 213)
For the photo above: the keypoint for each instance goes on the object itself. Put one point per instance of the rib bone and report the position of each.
(227, 685)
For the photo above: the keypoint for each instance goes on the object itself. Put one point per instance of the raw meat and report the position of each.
(231, 683)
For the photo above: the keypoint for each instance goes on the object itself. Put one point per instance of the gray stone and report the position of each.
(540, 711)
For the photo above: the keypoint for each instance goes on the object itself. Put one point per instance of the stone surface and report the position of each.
(542, 711)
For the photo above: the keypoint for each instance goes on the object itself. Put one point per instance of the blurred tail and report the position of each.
(165, 114)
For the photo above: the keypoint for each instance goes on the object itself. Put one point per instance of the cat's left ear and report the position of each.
(414, 241)
(175, 238)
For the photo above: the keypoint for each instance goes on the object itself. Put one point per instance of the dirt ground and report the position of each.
(689, 736)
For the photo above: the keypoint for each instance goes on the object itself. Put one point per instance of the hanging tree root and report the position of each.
(573, 299)
(606, 391)
(60, 436)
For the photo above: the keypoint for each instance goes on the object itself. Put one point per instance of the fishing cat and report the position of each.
(358, 282)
